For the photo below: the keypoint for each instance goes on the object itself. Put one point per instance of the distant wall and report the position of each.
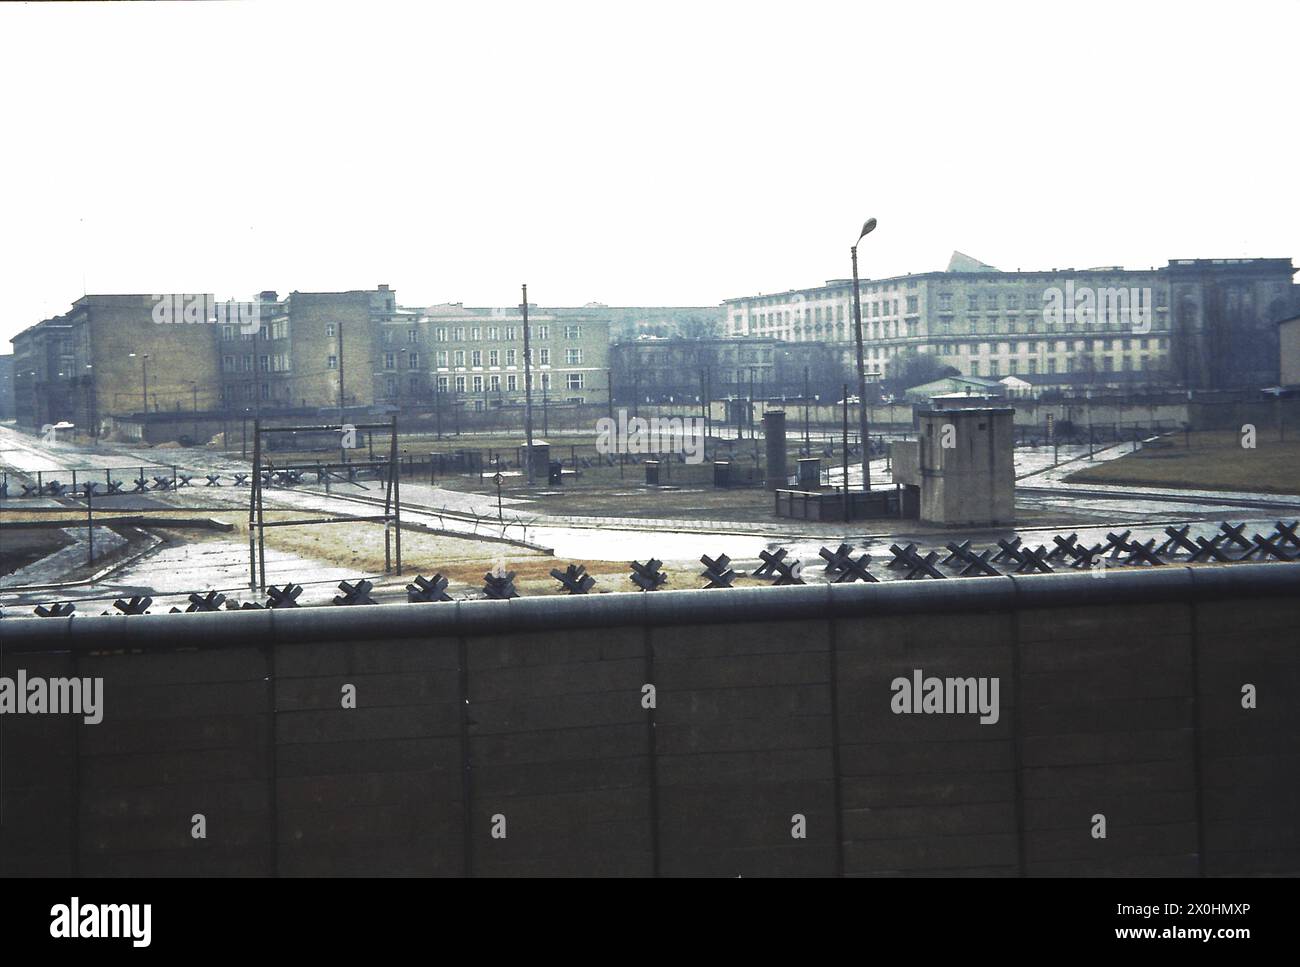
(1119, 696)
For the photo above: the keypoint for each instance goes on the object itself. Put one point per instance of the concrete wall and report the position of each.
(1289, 340)
(1119, 696)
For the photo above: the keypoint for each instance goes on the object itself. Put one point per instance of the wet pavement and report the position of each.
(168, 573)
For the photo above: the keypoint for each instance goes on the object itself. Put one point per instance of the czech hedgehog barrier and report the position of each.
(756, 732)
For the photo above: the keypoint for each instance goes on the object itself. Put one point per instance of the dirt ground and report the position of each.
(1212, 461)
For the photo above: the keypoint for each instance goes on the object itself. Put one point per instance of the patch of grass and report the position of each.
(1211, 460)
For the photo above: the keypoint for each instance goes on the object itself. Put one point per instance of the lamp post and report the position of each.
(867, 228)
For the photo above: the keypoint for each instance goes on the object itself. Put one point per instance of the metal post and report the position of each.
(862, 379)
(90, 525)
(528, 393)
(847, 515)
(342, 455)
(807, 446)
(252, 523)
(397, 498)
(261, 517)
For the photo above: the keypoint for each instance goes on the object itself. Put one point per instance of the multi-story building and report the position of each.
(6, 387)
(1209, 325)
(476, 355)
(674, 370)
(107, 355)
(110, 354)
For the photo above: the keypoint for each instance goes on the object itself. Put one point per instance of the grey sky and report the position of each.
(672, 153)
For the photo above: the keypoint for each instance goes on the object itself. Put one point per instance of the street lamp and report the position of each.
(867, 227)
(144, 378)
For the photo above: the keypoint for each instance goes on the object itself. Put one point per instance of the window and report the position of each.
(512, 333)
(476, 357)
(458, 334)
(494, 383)
(459, 356)
(474, 334)
(228, 333)
(512, 382)
(410, 336)
(478, 384)
(573, 380)
(413, 384)
(460, 384)
(391, 385)
(572, 332)
(493, 333)
(546, 380)
(541, 332)
(247, 365)
(265, 334)
(444, 384)
(510, 357)
(390, 360)
(913, 303)
(412, 360)
(227, 364)
(494, 357)
(573, 357)
(440, 358)
(546, 357)
(991, 300)
(440, 334)
(945, 302)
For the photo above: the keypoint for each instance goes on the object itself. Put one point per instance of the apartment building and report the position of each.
(476, 355)
(1200, 323)
(108, 355)
(111, 354)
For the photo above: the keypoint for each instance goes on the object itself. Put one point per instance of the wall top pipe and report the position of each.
(814, 602)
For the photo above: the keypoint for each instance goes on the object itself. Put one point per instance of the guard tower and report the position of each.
(967, 469)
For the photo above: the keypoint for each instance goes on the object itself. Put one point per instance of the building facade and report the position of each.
(107, 355)
(1289, 350)
(673, 370)
(1198, 323)
(475, 356)
(6, 387)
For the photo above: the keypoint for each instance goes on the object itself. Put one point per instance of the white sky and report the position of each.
(649, 154)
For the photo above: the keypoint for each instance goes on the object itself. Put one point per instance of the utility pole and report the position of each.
(528, 394)
(339, 352)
